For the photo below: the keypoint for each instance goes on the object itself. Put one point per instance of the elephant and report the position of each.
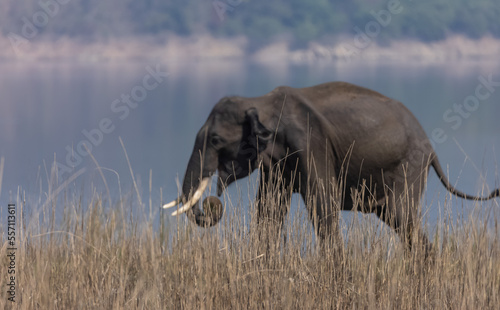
(330, 141)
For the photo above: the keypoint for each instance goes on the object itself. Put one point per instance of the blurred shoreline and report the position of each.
(207, 48)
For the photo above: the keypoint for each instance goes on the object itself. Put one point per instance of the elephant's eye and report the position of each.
(216, 141)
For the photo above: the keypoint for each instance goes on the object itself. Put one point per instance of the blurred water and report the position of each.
(45, 109)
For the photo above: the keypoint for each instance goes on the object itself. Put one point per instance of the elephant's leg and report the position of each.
(400, 206)
(272, 208)
(401, 215)
(324, 211)
(273, 201)
(272, 205)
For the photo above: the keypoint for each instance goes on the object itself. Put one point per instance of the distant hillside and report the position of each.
(261, 21)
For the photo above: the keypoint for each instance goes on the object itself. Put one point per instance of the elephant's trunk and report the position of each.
(195, 182)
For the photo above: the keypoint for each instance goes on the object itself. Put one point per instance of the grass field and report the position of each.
(97, 256)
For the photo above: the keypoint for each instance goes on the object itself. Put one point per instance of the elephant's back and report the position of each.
(339, 92)
(382, 129)
(345, 104)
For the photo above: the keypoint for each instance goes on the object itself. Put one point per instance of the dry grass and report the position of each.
(100, 257)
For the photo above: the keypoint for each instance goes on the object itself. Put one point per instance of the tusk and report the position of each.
(173, 203)
(196, 197)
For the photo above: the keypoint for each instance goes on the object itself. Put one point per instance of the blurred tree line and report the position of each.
(260, 20)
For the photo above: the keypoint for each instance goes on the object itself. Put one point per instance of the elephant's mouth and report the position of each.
(223, 180)
(230, 172)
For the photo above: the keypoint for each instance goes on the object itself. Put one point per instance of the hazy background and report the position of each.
(63, 65)
(300, 31)
(259, 20)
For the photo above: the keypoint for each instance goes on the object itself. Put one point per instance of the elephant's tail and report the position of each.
(454, 191)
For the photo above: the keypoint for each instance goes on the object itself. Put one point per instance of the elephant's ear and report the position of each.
(258, 132)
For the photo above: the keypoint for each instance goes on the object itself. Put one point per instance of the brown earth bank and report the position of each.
(205, 47)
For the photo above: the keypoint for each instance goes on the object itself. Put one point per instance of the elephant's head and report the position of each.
(229, 142)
